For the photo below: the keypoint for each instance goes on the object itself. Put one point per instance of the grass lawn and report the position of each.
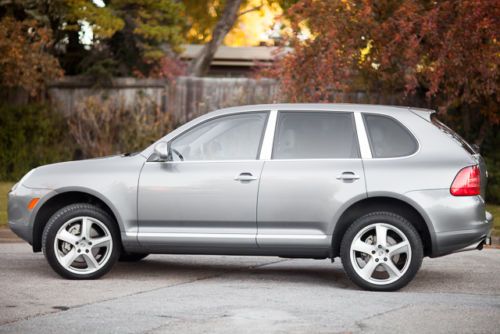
(5, 187)
(4, 190)
(495, 211)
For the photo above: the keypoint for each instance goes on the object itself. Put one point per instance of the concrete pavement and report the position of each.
(228, 294)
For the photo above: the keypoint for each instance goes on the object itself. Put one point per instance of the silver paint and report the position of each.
(289, 208)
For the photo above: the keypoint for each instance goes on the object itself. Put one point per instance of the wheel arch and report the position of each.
(399, 206)
(62, 198)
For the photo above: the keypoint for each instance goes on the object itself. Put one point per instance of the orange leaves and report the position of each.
(448, 50)
(24, 60)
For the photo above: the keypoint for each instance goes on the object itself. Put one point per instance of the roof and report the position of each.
(236, 56)
(363, 108)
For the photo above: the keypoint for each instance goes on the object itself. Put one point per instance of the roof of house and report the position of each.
(237, 56)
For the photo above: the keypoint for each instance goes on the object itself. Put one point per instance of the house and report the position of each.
(236, 61)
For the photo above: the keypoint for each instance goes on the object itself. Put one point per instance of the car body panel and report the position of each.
(291, 210)
(111, 179)
(198, 203)
(299, 199)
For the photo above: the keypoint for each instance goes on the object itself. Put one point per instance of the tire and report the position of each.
(81, 241)
(377, 265)
(132, 257)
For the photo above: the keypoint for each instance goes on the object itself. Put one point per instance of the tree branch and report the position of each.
(200, 65)
(250, 10)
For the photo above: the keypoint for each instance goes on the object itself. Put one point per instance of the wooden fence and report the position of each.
(188, 97)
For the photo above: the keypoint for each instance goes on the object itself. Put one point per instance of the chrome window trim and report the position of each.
(267, 144)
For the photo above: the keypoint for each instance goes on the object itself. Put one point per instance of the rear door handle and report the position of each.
(245, 177)
(348, 176)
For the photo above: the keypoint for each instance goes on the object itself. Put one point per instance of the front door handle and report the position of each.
(245, 177)
(348, 176)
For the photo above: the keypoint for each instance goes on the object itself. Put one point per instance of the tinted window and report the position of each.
(388, 138)
(315, 135)
(235, 137)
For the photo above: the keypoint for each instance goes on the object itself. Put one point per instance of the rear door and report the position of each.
(315, 170)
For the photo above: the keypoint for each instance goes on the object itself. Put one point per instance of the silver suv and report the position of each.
(378, 186)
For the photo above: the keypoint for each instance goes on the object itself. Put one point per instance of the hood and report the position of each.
(60, 174)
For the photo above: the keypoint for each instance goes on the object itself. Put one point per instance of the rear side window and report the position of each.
(315, 135)
(452, 134)
(389, 138)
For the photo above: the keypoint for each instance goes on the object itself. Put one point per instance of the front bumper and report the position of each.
(19, 216)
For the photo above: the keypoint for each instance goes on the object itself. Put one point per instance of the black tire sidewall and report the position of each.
(62, 216)
(391, 219)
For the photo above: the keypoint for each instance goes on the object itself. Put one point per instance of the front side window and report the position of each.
(388, 138)
(315, 135)
(235, 137)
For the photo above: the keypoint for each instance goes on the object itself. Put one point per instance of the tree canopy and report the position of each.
(447, 51)
(119, 37)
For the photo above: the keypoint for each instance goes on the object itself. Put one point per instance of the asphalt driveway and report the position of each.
(229, 294)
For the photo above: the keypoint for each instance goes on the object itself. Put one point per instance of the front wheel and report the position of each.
(81, 241)
(381, 251)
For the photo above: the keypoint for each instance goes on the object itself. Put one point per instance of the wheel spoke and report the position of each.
(391, 269)
(398, 248)
(101, 242)
(86, 226)
(68, 259)
(368, 269)
(65, 236)
(363, 247)
(90, 260)
(381, 232)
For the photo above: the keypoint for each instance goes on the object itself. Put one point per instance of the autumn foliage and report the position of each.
(446, 51)
(24, 60)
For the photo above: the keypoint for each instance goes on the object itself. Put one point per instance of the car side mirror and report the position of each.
(162, 150)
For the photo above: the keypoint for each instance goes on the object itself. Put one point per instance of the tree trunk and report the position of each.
(200, 65)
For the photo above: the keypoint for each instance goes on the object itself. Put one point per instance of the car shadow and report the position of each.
(282, 270)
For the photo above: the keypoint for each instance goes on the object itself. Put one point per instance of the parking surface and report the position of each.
(229, 294)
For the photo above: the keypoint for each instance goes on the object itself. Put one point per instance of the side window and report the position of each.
(315, 135)
(235, 137)
(389, 138)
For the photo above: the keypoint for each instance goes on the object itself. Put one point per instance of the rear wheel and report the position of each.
(381, 251)
(81, 241)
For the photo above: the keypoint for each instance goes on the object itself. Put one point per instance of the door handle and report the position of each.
(348, 176)
(245, 177)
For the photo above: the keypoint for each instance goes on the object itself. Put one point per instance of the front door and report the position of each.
(206, 196)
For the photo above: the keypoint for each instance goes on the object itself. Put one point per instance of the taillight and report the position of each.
(467, 182)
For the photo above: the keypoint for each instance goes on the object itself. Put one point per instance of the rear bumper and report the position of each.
(454, 222)
(464, 240)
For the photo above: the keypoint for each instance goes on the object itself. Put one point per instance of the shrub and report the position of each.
(30, 136)
(109, 126)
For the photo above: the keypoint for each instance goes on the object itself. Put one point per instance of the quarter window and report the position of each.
(235, 137)
(388, 138)
(315, 135)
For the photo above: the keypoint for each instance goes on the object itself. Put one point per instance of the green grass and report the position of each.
(495, 211)
(5, 187)
(4, 190)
